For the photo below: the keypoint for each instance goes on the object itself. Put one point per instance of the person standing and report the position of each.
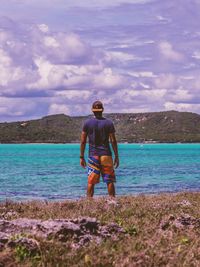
(100, 132)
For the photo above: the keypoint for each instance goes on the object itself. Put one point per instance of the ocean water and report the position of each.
(52, 171)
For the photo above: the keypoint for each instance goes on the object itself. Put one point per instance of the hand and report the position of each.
(83, 163)
(116, 162)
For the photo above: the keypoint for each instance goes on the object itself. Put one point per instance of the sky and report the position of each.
(59, 56)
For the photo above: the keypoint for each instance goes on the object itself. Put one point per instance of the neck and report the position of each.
(98, 116)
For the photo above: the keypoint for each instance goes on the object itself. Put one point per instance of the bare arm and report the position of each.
(82, 149)
(115, 149)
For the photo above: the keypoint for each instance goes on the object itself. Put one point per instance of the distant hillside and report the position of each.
(169, 126)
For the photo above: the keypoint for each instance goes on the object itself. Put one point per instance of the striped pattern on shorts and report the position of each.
(100, 165)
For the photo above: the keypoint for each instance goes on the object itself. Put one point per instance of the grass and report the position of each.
(147, 245)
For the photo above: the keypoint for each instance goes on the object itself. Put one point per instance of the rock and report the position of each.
(64, 231)
(4, 238)
(84, 240)
(26, 223)
(3, 224)
(78, 231)
(184, 220)
(89, 224)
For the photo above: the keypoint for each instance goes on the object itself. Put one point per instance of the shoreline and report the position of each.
(100, 197)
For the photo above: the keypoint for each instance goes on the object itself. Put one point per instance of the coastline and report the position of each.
(97, 197)
(157, 230)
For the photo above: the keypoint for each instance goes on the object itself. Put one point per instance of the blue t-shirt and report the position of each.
(98, 130)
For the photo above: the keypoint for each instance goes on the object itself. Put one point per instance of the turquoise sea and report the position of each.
(52, 171)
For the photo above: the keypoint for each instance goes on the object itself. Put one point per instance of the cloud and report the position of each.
(50, 60)
(58, 109)
(120, 56)
(75, 3)
(14, 107)
(168, 52)
(161, 18)
(59, 47)
(196, 55)
(166, 80)
(13, 75)
(54, 66)
(142, 74)
(59, 56)
(182, 106)
(73, 95)
(108, 80)
(58, 77)
(182, 95)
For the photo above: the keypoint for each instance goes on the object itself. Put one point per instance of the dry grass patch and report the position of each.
(163, 230)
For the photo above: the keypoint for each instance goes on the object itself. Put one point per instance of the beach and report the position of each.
(143, 230)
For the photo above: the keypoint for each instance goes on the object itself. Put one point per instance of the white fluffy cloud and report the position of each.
(58, 109)
(120, 56)
(52, 67)
(12, 107)
(74, 94)
(166, 80)
(169, 53)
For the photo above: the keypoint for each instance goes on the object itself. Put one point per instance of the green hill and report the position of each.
(168, 126)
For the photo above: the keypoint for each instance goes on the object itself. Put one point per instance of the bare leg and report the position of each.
(111, 189)
(90, 190)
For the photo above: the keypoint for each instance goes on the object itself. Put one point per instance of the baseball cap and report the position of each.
(97, 106)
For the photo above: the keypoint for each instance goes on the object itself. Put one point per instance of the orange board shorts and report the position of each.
(100, 165)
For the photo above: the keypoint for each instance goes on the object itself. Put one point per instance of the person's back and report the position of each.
(99, 130)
